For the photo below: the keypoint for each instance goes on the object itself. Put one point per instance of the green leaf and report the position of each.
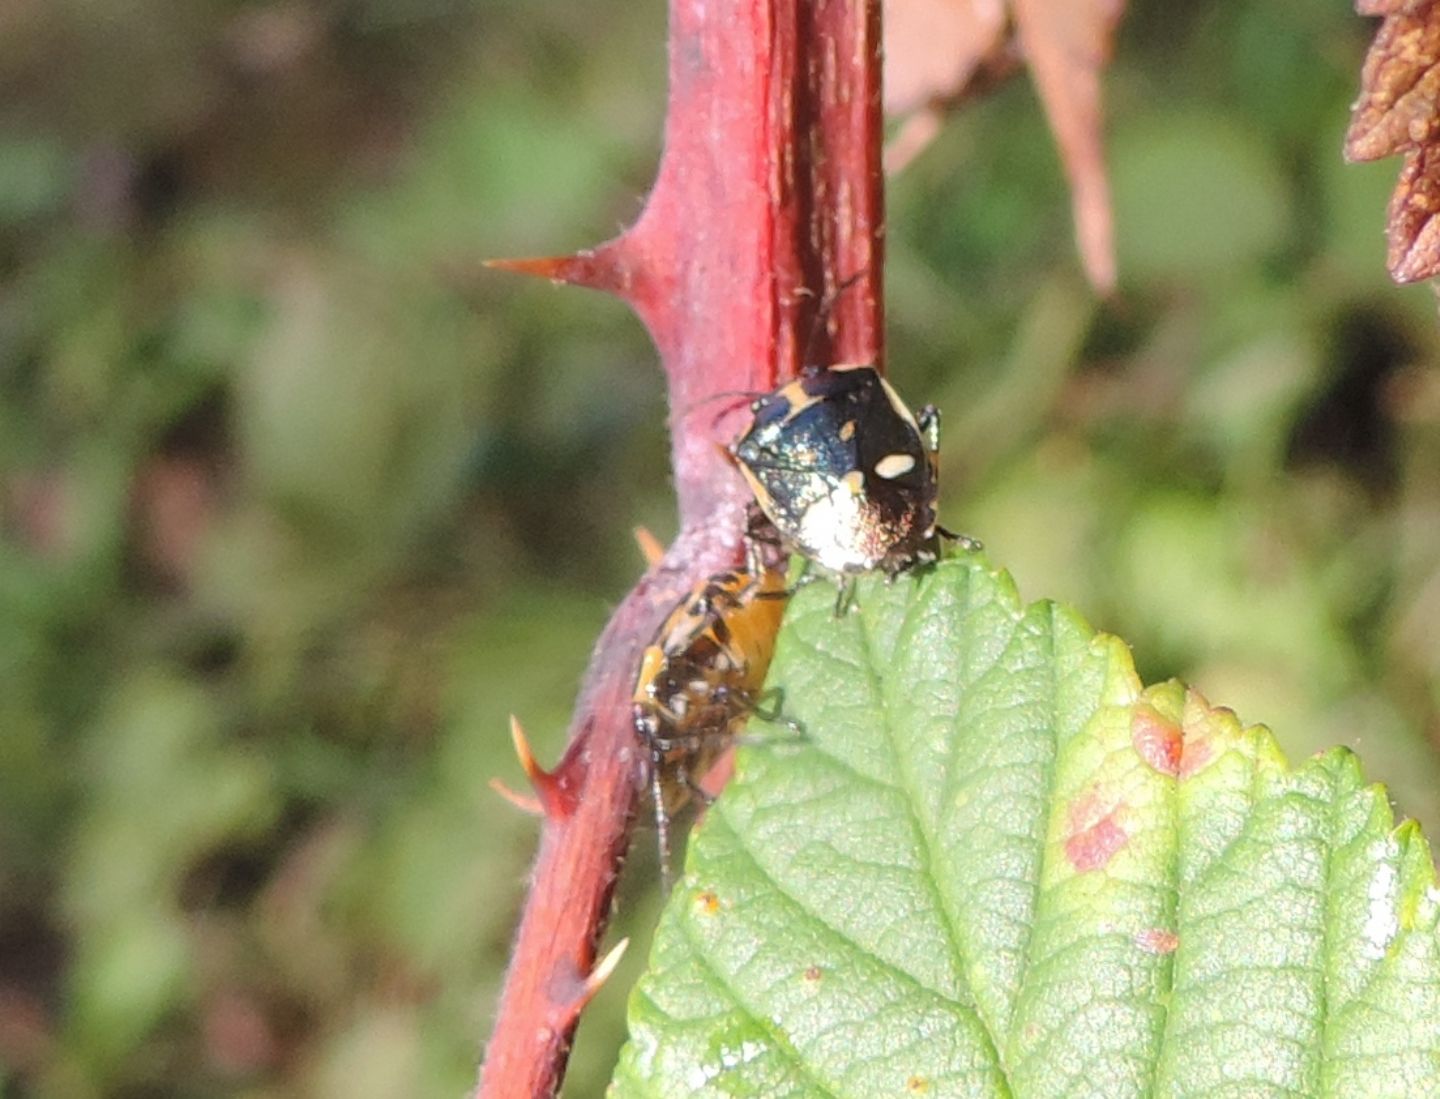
(997, 865)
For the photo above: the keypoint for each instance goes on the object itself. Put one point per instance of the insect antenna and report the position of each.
(817, 324)
(737, 395)
(822, 318)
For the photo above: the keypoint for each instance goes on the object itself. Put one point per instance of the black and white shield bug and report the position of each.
(847, 474)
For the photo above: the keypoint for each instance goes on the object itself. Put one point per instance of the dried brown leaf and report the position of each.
(1399, 85)
(1414, 230)
(1397, 113)
(1388, 7)
(1067, 43)
(939, 51)
(934, 47)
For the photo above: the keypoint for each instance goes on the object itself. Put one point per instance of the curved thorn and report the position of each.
(520, 801)
(546, 789)
(650, 547)
(533, 771)
(601, 973)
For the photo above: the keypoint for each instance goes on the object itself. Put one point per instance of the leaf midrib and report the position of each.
(928, 844)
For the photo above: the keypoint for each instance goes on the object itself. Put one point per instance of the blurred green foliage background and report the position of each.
(297, 502)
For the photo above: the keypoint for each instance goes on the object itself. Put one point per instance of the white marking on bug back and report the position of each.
(827, 529)
(894, 465)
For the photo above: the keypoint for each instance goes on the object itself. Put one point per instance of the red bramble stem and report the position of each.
(769, 197)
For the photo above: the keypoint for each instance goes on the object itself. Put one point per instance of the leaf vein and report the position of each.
(926, 840)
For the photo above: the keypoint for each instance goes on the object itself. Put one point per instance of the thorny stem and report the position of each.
(769, 196)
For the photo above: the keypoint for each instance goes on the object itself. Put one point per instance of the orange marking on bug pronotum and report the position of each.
(650, 547)
(524, 802)
(547, 790)
(727, 455)
(1157, 741)
(1157, 940)
(707, 903)
(1095, 834)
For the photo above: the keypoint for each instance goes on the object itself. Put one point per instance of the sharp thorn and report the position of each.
(546, 789)
(521, 801)
(597, 269)
(602, 971)
(650, 547)
(554, 268)
(533, 771)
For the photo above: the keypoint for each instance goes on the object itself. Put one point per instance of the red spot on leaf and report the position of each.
(1199, 751)
(1157, 741)
(1095, 835)
(1157, 940)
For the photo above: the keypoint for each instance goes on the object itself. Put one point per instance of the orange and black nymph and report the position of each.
(700, 679)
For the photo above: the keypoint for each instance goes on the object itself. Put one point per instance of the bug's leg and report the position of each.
(662, 826)
(663, 745)
(758, 528)
(702, 795)
(964, 541)
(806, 576)
(766, 705)
(769, 706)
(703, 605)
(760, 534)
(929, 423)
(725, 597)
(845, 596)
